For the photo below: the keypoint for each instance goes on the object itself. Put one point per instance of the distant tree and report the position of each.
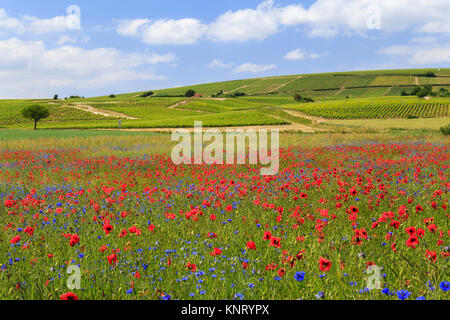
(112, 96)
(146, 94)
(35, 112)
(298, 97)
(422, 93)
(404, 93)
(55, 97)
(190, 93)
(430, 74)
(415, 90)
(443, 92)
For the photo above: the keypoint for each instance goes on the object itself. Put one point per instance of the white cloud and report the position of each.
(300, 54)
(246, 24)
(41, 26)
(30, 69)
(7, 22)
(217, 63)
(253, 68)
(323, 18)
(65, 39)
(419, 54)
(34, 25)
(131, 27)
(183, 31)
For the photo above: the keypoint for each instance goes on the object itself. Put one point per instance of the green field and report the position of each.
(346, 95)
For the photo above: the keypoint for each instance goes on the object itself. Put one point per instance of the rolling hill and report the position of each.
(352, 96)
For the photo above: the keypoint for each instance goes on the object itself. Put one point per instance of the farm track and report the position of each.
(105, 113)
(387, 91)
(282, 128)
(340, 91)
(284, 85)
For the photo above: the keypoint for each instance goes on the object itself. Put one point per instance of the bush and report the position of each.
(443, 93)
(430, 74)
(299, 98)
(146, 94)
(190, 93)
(446, 130)
(112, 96)
(404, 93)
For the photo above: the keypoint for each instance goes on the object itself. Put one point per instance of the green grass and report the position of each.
(345, 95)
(377, 108)
(10, 112)
(405, 124)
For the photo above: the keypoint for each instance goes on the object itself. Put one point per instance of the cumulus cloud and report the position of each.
(419, 54)
(217, 63)
(131, 27)
(182, 31)
(246, 24)
(34, 25)
(253, 68)
(30, 69)
(300, 54)
(323, 18)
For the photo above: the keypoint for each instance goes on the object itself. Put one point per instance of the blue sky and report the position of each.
(136, 45)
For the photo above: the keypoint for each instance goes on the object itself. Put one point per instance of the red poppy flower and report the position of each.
(412, 242)
(112, 259)
(216, 252)
(15, 239)
(251, 245)
(69, 296)
(107, 228)
(74, 239)
(324, 264)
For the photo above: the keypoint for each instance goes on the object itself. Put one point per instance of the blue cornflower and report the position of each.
(299, 276)
(444, 285)
(403, 294)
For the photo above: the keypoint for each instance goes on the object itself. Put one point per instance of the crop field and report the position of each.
(374, 109)
(140, 227)
(10, 112)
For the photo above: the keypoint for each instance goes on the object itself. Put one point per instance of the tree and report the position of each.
(146, 94)
(422, 93)
(35, 112)
(55, 97)
(112, 96)
(190, 93)
(415, 90)
(298, 97)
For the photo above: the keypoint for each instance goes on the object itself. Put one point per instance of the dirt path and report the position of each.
(178, 104)
(105, 113)
(244, 86)
(295, 113)
(342, 89)
(387, 91)
(417, 81)
(284, 85)
(282, 128)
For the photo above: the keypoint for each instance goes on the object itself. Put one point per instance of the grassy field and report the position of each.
(139, 227)
(349, 95)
